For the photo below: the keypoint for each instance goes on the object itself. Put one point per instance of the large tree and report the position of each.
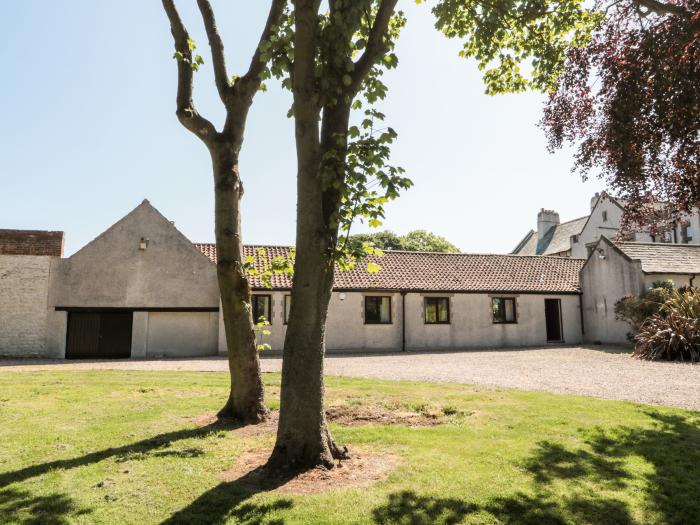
(622, 78)
(246, 399)
(338, 54)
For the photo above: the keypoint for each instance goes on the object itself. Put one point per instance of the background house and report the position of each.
(577, 238)
(615, 270)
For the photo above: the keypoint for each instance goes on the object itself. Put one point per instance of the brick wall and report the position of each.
(24, 285)
(31, 242)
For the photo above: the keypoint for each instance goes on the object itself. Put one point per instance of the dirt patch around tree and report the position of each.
(346, 415)
(356, 415)
(362, 469)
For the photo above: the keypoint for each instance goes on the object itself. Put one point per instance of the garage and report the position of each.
(99, 335)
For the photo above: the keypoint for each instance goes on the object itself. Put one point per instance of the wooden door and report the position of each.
(99, 335)
(115, 335)
(83, 338)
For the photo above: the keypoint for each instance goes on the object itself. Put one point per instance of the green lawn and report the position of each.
(123, 447)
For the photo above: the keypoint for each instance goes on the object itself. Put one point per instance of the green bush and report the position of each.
(674, 332)
(635, 310)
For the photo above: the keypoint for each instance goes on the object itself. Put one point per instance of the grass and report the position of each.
(122, 447)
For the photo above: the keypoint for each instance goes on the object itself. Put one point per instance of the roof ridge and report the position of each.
(386, 251)
(678, 244)
(574, 220)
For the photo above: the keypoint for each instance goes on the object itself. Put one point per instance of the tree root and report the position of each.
(256, 413)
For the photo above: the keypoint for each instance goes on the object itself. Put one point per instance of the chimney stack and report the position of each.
(546, 220)
(594, 200)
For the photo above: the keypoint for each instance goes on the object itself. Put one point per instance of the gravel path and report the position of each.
(599, 371)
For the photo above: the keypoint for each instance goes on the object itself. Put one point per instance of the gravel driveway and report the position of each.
(597, 371)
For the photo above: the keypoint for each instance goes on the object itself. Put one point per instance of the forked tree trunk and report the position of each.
(246, 398)
(303, 438)
(246, 401)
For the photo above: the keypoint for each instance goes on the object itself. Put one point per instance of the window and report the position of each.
(437, 310)
(377, 310)
(503, 310)
(287, 306)
(686, 232)
(261, 308)
(605, 216)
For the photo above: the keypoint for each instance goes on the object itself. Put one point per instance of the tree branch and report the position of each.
(376, 44)
(304, 66)
(250, 82)
(217, 50)
(186, 112)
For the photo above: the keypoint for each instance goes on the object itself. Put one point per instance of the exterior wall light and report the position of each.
(143, 243)
(601, 253)
(341, 296)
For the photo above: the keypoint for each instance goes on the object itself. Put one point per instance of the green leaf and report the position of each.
(373, 267)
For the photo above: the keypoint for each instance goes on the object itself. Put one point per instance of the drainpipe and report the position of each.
(580, 307)
(403, 321)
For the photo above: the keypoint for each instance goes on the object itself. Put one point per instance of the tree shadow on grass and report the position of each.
(19, 506)
(408, 508)
(228, 501)
(595, 477)
(157, 445)
(56, 508)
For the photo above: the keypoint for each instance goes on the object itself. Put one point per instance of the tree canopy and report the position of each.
(622, 79)
(416, 240)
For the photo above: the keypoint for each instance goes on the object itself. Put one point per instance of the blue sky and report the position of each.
(88, 131)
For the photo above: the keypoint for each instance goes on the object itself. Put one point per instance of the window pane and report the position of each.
(371, 313)
(261, 308)
(443, 310)
(287, 306)
(496, 309)
(385, 309)
(510, 310)
(430, 310)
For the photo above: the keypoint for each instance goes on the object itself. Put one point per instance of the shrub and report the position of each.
(674, 332)
(635, 310)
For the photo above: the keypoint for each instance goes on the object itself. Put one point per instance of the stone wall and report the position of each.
(24, 288)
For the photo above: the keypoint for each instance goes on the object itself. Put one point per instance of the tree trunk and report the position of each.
(246, 401)
(303, 438)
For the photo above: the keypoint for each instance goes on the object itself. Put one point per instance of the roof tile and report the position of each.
(664, 258)
(443, 272)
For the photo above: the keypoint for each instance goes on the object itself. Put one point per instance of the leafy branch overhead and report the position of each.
(356, 168)
(622, 78)
(519, 44)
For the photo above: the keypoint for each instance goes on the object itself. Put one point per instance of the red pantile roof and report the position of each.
(31, 242)
(443, 272)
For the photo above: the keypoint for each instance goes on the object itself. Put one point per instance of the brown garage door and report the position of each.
(99, 335)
